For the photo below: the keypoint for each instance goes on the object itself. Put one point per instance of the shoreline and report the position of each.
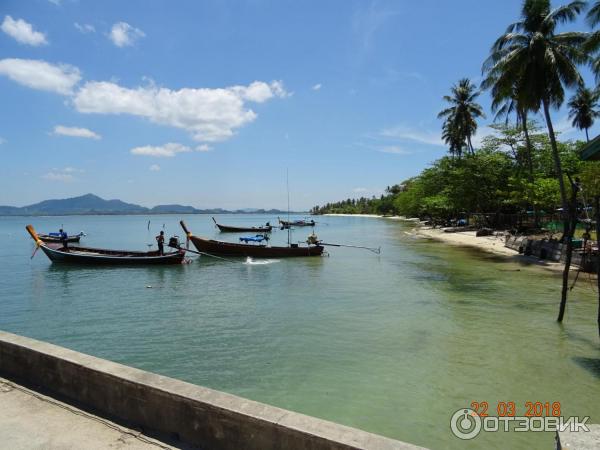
(493, 245)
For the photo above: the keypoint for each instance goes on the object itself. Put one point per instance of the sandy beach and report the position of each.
(353, 215)
(491, 244)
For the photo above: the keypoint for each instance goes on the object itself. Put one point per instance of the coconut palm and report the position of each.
(453, 136)
(593, 43)
(505, 103)
(460, 117)
(543, 63)
(582, 109)
(593, 15)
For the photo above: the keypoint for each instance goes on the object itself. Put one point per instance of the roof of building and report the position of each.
(591, 151)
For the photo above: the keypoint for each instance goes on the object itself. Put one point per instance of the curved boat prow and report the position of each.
(33, 234)
(185, 228)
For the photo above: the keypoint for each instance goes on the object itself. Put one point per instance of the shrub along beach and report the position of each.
(522, 177)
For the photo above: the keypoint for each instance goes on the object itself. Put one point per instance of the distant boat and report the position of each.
(213, 247)
(297, 223)
(231, 229)
(97, 256)
(55, 238)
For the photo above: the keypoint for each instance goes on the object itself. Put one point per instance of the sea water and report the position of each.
(392, 343)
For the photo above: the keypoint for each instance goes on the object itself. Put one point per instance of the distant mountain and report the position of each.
(173, 209)
(92, 204)
(85, 204)
(9, 210)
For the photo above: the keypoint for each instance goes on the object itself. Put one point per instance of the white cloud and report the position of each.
(395, 149)
(164, 151)
(360, 189)
(316, 87)
(63, 175)
(72, 170)
(259, 91)
(482, 132)
(367, 20)
(203, 148)
(210, 115)
(75, 132)
(23, 32)
(57, 176)
(122, 34)
(154, 168)
(412, 134)
(85, 28)
(41, 75)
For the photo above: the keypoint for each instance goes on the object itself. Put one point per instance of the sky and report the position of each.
(216, 103)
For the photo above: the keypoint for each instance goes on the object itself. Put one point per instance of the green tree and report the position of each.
(542, 62)
(593, 43)
(460, 117)
(582, 109)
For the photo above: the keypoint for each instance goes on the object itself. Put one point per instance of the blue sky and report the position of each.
(208, 103)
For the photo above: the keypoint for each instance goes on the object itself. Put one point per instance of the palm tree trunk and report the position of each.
(470, 144)
(597, 207)
(572, 223)
(565, 207)
(529, 156)
(587, 136)
(556, 157)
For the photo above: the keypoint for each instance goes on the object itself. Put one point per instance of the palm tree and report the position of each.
(460, 124)
(452, 136)
(542, 62)
(593, 43)
(504, 103)
(582, 109)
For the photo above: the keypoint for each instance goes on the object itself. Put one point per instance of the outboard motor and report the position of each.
(312, 239)
(174, 242)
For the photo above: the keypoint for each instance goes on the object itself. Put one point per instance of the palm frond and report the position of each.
(593, 15)
(565, 13)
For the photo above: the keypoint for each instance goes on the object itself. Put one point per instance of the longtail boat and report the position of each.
(297, 223)
(213, 247)
(98, 256)
(56, 238)
(231, 229)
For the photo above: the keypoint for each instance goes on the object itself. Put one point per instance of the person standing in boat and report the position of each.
(63, 237)
(161, 243)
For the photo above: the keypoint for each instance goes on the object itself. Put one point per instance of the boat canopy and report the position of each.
(257, 238)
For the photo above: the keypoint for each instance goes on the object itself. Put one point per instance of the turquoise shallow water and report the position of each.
(392, 344)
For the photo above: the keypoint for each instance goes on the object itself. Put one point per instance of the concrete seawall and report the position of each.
(191, 414)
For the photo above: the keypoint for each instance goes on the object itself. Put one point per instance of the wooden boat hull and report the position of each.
(228, 229)
(213, 247)
(301, 223)
(90, 256)
(57, 240)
